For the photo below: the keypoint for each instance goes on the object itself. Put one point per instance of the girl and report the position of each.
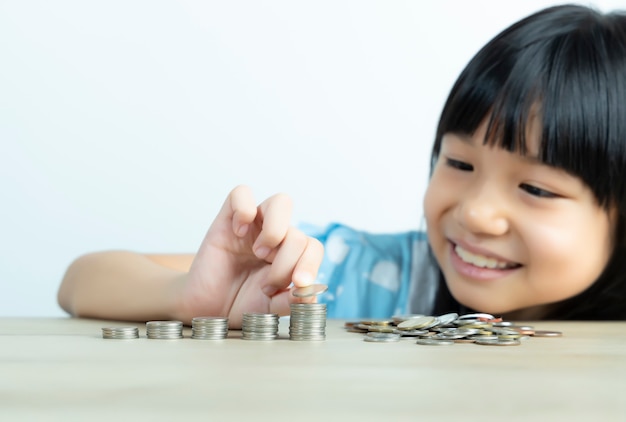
(525, 209)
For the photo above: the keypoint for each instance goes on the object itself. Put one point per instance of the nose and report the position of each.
(483, 211)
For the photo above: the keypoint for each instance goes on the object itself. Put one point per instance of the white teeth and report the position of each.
(479, 260)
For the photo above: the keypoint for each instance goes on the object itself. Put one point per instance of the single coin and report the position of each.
(312, 290)
(447, 318)
(498, 342)
(397, 319)
(446, 336)
(418, 323)
(433, 342)
(503, 331)
(381, 337)
(477, 316)
(546, 333)
(377, 322)
(509, 336)
(464, 340)
(484, 337)
(411, 333)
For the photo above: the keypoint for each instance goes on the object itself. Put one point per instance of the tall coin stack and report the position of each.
(307, 322)
(164, 329)
(209, 328)
(259, 326)
(120, 333)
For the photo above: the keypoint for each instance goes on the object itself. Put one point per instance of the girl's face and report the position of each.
(510, 234)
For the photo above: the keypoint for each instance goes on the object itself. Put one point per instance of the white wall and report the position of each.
(124, 124)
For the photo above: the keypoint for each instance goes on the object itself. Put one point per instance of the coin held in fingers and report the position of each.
(308, 291)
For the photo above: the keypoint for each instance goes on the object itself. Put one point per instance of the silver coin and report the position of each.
(431, 342)
(381, 337)
(447, 318)
(307, 291)
(498, 342)
(546, 333)
(484, 337)
(503, 331)
(418, 323)
(410, 333)
(476, 316)
(397, 319)
(447, 336)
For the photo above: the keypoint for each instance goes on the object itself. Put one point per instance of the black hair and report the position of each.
(566, 66)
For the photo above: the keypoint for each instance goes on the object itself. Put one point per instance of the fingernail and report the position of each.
(242, 230)
(269, 290)
(262, 251)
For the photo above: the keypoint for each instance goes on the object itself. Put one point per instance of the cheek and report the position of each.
(432, 205)
(435, 199)
(569, 255)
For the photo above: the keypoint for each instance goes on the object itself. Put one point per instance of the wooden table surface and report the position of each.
(62, 369)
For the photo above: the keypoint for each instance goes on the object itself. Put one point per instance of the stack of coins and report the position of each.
(307, 322)
(259, 326)
(120, 333)
(209, 328)
(164, 329)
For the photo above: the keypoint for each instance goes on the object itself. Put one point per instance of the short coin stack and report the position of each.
(167, 330)
(120, 333)
(307, 322)
(209, 328)
(257, 326)
(448, 329)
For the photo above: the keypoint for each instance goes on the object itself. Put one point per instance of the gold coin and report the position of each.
(377, 322)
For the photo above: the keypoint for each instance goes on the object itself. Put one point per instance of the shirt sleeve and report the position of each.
(368, 275)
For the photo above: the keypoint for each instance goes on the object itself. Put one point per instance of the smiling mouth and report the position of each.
(483, 261)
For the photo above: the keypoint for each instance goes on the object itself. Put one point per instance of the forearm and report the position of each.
(122, 286)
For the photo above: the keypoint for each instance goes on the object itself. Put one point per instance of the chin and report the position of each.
(481, 305)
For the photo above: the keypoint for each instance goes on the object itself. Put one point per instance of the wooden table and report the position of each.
(62, 369)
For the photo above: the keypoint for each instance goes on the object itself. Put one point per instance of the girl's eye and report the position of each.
(459, 165)
(535, 191)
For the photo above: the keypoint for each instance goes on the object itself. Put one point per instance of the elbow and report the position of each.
(64, 294)
(70, 283)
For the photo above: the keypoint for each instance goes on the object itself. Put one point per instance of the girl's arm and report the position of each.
(125, 286)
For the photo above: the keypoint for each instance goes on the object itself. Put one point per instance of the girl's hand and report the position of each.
(248, 259)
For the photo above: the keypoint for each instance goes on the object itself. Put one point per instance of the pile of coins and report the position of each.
(448, 329)
(164, 330)
(120, 333)
(257, 326)
(209, 328)
(307, 322)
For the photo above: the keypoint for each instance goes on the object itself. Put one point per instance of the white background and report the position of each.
(124, 124)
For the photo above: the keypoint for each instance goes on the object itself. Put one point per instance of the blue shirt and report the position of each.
(375, 275)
